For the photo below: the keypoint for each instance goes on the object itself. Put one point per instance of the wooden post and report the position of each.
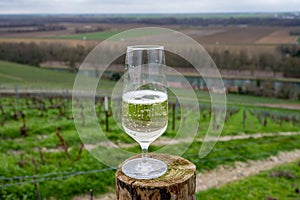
(106, 112)
(17, 96)
(179, 182)
(91, 194)
(36, 189)
(244, 118)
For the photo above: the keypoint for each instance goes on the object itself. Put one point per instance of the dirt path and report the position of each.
(282, 105)
(257, 135)
(162, 141)
(166, 141)
(224, 174)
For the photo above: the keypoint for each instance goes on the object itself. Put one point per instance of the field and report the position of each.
(68, 42)
(91, 36)
(12, 74)
(24, 77)
(278, 37)
(52, 152)
(212, 35)
(257, 155)
(231, 35)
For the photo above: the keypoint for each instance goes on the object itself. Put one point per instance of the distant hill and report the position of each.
(29, 77)
(26, 76)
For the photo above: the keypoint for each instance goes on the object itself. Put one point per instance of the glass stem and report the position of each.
(145, 153)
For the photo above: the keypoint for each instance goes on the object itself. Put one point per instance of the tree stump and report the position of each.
(179, 182)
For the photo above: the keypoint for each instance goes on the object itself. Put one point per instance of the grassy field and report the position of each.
(66, 42)
(28, 76)
(282, 182)
(51, 150)
(213, 35)
(42, 153)
(106, 34)
(227, 153)
(40, 146)
(61, 165)
(91, 36)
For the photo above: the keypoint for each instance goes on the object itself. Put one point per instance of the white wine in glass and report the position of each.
(144, 106)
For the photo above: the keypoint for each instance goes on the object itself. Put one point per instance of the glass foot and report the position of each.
(148, 168)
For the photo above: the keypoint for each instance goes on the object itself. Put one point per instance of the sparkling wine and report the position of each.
(144, 106)
(145, 114)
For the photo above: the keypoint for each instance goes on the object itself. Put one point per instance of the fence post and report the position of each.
(17, 97)
(36, 189)
(179, 182)
(106, 112)
(91, 194)
(244, 118)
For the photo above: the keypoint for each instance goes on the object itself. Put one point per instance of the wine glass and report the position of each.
(144, 106)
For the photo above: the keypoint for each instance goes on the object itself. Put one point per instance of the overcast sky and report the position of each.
(145, 6)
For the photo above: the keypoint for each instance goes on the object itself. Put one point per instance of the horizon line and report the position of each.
(158, 13)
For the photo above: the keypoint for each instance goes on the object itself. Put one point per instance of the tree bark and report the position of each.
(179, 182)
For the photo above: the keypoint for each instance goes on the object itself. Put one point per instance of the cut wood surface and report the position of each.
(179, 182)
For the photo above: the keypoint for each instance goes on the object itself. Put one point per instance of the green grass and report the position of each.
(29, 76)
(244, 100)
(25, 76)
(260, 186)
(41, 133)
(237, 99)
(106, 34)
(227, 153)
(15, 150)
(90, 36)
(234, 125)
(298, 40)
(58, 187)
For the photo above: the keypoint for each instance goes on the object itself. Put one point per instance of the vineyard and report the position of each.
(42, 155)
(257, 155)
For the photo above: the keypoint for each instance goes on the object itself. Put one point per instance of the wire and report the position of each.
(40, 178)
(276, 138)
(253, 156)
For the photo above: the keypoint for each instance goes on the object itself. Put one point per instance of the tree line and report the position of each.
(40, 27)
(37, 53)
(19, 20)
(286, 58)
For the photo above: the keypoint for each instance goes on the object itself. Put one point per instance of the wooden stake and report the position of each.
(36, 189)
(91, 194)
(179, 182)
(106, 112)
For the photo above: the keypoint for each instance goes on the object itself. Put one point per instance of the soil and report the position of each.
(223, 175)
(282, 105)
